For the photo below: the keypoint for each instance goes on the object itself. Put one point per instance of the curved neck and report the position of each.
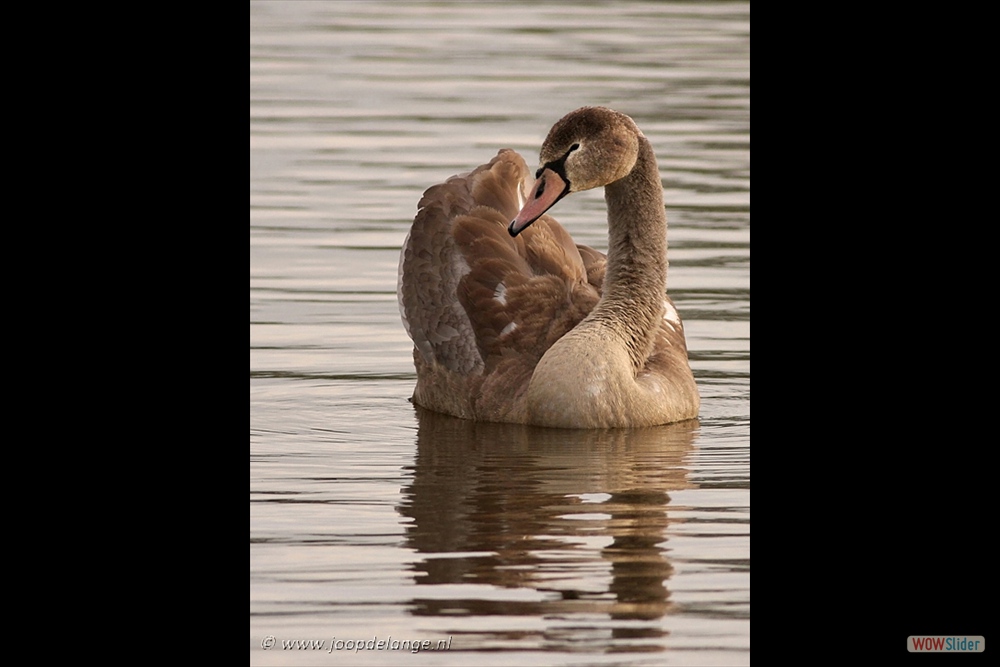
(635, 280)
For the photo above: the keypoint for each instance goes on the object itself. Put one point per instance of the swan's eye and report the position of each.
(573, 147)
(538, 174)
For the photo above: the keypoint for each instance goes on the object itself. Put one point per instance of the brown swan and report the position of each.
(511, 321)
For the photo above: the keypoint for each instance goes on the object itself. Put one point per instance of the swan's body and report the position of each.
(515, 323)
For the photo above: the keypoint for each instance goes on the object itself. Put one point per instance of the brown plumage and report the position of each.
(514, 322)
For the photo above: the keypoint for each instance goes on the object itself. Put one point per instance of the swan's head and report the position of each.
(587, 148)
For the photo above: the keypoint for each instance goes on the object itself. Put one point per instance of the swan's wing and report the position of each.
(594, 262)
(667, 370)
(430, 269)
(472, 298)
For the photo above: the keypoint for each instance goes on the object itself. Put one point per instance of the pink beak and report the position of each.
(547, 190)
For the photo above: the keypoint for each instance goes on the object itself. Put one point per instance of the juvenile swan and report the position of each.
(513, 322)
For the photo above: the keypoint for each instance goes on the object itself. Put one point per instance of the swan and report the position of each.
(511, 321)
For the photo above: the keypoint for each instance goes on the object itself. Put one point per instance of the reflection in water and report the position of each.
(547, 523)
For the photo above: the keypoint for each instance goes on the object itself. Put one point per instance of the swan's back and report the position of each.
(480, 306)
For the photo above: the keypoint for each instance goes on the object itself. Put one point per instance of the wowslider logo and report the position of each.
(922, 644)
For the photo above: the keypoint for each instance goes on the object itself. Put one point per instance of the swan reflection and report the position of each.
(538, 522)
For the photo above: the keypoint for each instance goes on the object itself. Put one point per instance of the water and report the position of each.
(370, 520)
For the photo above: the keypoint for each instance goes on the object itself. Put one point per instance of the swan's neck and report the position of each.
(635, 279)
(588, 378)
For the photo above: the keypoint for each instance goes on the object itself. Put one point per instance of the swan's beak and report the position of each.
(547, 190)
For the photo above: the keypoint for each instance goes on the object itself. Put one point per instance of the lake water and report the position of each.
(372, 521)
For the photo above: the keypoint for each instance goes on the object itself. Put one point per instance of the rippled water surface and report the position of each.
(372, 521)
